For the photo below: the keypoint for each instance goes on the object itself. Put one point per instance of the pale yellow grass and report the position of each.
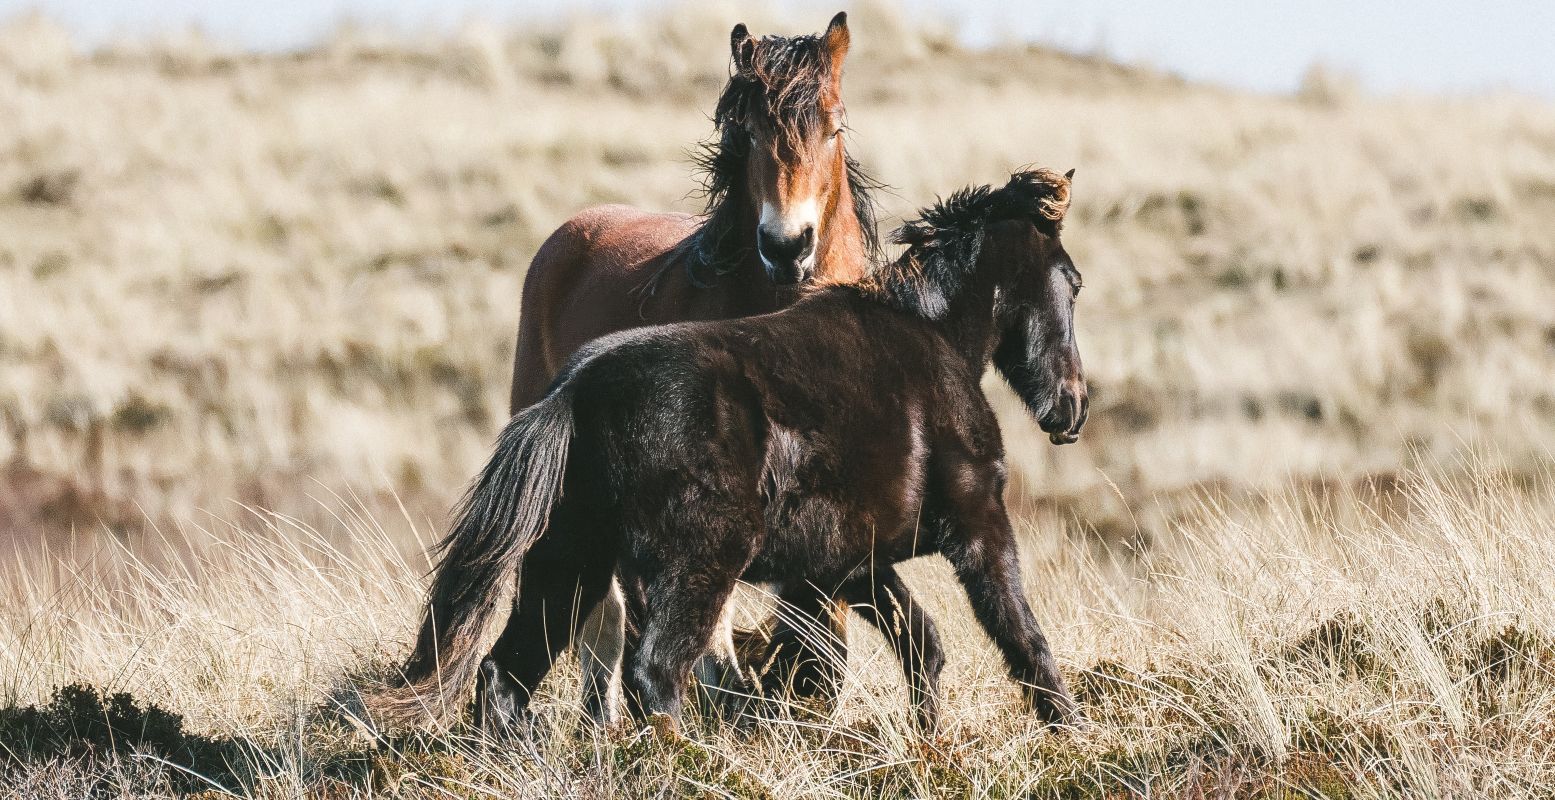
(1340, 646)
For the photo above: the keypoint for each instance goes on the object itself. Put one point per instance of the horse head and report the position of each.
(781, 120)
(1036, 351)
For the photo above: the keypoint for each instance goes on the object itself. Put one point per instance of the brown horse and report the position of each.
(786, 204)
(817, 445)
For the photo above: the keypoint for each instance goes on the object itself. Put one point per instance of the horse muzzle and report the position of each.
(788, 260)
(1063, 421)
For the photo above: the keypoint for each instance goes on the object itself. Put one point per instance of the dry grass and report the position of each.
(1285, 646)
(267, 280)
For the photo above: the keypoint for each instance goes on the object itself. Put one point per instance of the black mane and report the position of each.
(946, 238)
(783, 86)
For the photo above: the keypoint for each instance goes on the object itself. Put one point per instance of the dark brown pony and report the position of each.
(786, 204)
(821, 445)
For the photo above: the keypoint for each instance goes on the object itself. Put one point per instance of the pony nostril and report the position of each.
(807, 238)
(785, 250)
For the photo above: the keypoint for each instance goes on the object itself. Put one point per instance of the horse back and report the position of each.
(607, 269)
(579, 285)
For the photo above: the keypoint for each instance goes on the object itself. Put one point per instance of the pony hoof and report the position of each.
(1057, 710)
(664, 727)
(1067, 721)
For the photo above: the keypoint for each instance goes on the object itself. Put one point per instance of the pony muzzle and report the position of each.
(787, 259)
(786, 240)
(1063, 421)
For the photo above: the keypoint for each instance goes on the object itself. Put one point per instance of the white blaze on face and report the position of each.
(788, 224)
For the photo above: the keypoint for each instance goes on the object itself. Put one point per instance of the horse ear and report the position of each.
(837, 41)
(741, 48)
(1069, 176)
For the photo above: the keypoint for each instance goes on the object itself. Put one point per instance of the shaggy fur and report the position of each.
(780, 80)
(816, 446)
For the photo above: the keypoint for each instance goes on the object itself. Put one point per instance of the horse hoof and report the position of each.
(664, 727)
(1070, 720)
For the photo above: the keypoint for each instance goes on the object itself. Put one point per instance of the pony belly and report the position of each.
(816, 539)
(800, 541)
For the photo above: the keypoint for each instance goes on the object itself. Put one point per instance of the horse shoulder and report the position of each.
(961, 428)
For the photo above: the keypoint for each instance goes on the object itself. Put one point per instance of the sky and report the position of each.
(1387, 45)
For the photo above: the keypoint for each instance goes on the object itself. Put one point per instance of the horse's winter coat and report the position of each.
(821, 445)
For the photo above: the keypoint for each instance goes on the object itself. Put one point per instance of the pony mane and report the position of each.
(784, 84)
(944, 242)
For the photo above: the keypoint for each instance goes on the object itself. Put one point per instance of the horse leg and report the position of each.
(683, 598)
(981, 547)
(599, 653)
(808, 653)
(721, 678)
(634, 596)
(884, 601)
(563, 573)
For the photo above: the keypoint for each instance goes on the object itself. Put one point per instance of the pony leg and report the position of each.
(723, 638)
(884, 601)
(725, 688)
(808, 653)
(982, 550)
(683, 608)
(634, 595)
(599, 653)
(563, 574)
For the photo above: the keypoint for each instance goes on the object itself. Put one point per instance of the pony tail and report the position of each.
(504, 513)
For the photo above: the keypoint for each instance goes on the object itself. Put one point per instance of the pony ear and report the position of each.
(1070, 174)
(837, 40)
(741, 48)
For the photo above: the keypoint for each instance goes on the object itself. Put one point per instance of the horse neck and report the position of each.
(968, 321)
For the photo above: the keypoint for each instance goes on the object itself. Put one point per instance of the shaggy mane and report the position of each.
(947, 237)
(783, 85)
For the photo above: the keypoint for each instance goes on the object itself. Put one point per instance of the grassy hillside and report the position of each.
(257, 318)
(261, 278)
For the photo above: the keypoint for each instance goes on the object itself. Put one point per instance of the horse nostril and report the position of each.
(785, 250)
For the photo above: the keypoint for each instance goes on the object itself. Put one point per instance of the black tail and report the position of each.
(500, 518)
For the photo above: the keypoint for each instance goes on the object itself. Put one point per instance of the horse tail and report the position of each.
(503, 514)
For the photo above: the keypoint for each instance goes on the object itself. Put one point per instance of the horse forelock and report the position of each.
(785, 85)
